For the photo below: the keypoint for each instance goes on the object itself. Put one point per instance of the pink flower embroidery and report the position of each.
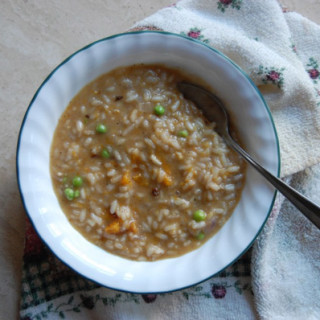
(218, 292)
(226, 2)
(194, 34)
(273, 76)
(314, 73)
(148, 298)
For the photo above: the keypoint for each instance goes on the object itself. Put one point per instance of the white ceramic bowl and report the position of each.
(253, 121)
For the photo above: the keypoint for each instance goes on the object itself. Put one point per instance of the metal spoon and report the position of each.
(213, 109)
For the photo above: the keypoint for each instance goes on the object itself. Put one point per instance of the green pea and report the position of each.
(105, 154)
(200, 235)
(199, 215)
(159, 110)
(183, 133)
(101, 128)
(64, 180)
(77, 181)
(77, 193)
(69, 193)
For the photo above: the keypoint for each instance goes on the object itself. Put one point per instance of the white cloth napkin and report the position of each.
(286, 258)
(281, 53)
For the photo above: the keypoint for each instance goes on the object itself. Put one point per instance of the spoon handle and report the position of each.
(308, 208)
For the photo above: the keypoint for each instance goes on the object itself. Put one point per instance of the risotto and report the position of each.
(137, 169)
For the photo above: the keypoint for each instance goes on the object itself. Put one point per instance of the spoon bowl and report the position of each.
(214, 110)
(210, 105)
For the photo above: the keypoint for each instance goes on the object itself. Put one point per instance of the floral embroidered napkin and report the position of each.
(280, 278)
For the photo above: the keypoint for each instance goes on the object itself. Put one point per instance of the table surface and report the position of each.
(36, 36)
